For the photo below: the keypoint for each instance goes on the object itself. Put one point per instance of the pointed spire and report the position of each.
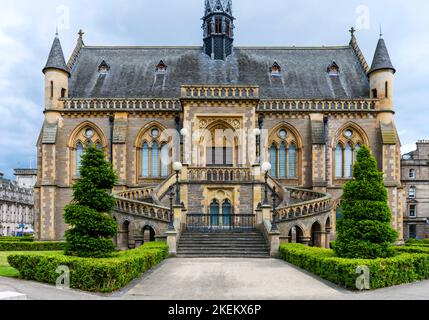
(56, 57)
(381, 58)
(218, 6)
(77, 49)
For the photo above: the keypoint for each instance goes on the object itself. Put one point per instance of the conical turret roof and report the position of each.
(381, 58)
(56, 57)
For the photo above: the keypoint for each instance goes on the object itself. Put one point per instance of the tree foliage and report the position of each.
(92, 226)
(365, 229)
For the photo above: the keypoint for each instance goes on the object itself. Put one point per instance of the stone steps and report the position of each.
(222, 245)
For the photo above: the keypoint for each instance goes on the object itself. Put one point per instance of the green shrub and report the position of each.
(91, 274)
(16, 239)
(404, 267)
(92, 226)
(365, 229)
(413, 249)
(32, 246)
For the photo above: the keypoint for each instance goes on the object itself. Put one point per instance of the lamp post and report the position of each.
(171, 225)
(177, 166)
(274, 223)
(266, 167)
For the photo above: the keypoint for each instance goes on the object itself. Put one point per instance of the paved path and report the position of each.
(222, 279)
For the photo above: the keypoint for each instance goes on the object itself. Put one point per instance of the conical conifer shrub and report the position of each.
(365, 229)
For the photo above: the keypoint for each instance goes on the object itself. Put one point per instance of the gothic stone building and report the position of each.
(222, 111)
(415, 179)
(16, 203)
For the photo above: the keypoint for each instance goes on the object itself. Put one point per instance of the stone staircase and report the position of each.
(222, 245)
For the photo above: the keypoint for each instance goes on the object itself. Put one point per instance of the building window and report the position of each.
(374, 93)
(218, 24)
(145, 160)
(333, 69)
(292, 161)
(79, 153)
(273, 161)
(412, 193)
(52, 89)
(412, 210)
(228, 28)
(412, 231)
(155, 154)
(350, 142)
(282, 161)
(63, 93)
(386, 89)
(412, 174)
(275, 68)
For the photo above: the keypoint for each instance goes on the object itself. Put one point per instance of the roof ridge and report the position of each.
(339, 47)
(79, 45)
(354, 45)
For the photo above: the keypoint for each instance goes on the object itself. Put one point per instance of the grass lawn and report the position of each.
(5, 269)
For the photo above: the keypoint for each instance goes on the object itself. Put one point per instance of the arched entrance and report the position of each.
(227, 214)
(296, 234)
(148, 234)
(124, 236)
(316, 235)
(214, 213)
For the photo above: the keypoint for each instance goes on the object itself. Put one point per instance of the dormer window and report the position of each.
(103, 68)
(333, 69)
(161, 67)
(275, 69)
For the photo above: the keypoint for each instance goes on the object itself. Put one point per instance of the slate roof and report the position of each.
(381, 58)
(56, 58)
(133, 72)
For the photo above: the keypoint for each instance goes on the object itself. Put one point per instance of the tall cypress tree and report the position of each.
(89, 215)
(365, 229)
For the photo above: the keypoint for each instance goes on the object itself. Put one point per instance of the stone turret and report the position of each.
(56, 80)
(381, 80)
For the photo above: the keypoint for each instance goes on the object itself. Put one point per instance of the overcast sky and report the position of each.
(27, 30)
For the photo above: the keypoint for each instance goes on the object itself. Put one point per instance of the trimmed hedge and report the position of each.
(16, 239)
(32, 246)
(405, 267)
(91, 274)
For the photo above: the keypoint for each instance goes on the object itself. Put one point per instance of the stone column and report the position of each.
(172, 242)
(305, 240)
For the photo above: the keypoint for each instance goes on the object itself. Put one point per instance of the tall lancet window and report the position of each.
(292, 161)
(79, 153)
(273, 161)
(339, 161)
(145, 160)
(282, 161)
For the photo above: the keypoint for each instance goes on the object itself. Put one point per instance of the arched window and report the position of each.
(164, 160)
(214, 213)
(339, 161)
(348, 161)
(282, 161)
(347, 147)
(273, 161)
(145, 160)
(292, 161)
(79, 153)
(226, 213)
(154, 153)
(155, 159)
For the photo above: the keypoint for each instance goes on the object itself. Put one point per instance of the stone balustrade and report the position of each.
(306, 203)
(219, 92)
(121, 104)
(220, 174)
(137, 194)
(143, 209)
(317, 105)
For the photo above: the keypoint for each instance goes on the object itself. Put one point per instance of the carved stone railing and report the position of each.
(161, 190)
(75, 104)
(143, 209)
(306, 203)
(137, 194)
(219, 92)
(317, 105)
(220, 174)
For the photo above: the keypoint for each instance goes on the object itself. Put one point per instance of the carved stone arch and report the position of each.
(138, 142)
(272, 136)
(151, 224)
(79, 131)
(361, 135)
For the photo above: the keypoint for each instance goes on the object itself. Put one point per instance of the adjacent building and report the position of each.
(415, 179)
(17, 202)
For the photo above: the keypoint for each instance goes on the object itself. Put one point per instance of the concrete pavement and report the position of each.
(222, 279)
